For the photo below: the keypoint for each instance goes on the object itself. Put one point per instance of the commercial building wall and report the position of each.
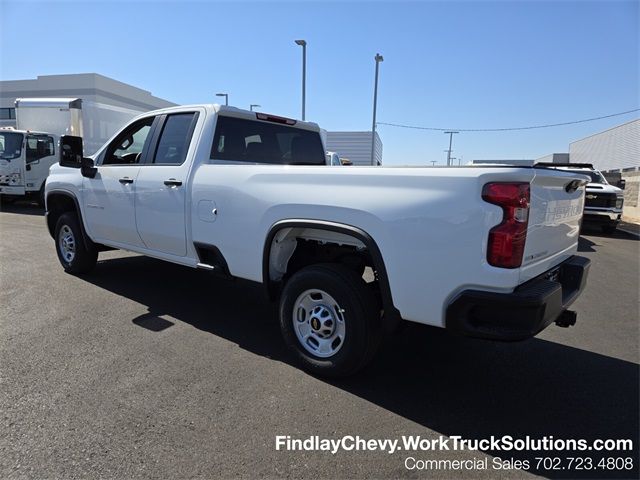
(88, 86)
(554, 158)
(525, 162)
(616, 149)
(631, 209)
(356, 146)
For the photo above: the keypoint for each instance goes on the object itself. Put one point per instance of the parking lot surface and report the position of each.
(147, 369)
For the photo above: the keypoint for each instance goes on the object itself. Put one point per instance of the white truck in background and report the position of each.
(28, 151)
(333, 159)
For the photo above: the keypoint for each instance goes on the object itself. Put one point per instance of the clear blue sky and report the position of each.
(446, 64)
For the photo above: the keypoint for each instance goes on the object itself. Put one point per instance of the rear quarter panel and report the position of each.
(430, 224)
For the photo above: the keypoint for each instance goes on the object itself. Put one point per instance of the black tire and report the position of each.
(84, 257)
(360, 319)
(41, 196)
(7, 200)
(609, 229)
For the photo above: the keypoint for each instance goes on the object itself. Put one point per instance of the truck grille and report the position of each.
(600, 200)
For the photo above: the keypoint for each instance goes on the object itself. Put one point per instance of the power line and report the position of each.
(508, 129)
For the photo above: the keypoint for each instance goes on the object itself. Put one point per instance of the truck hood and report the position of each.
(7, 167)
(601, 187)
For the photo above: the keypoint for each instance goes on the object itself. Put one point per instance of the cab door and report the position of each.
(161, 185)
(109, 197)
(39, 156)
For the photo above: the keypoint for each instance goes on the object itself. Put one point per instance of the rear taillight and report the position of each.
(506, 241)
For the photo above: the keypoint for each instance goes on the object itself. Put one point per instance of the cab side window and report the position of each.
(39, 146)
(127, 148)
(175, 139)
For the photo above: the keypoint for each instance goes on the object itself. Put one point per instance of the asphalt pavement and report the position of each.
(143, 369)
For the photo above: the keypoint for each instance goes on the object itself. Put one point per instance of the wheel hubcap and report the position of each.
(319, 323)
(67, 243)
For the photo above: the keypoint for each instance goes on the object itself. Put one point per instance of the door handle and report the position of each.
(125, 180)
(172, 182)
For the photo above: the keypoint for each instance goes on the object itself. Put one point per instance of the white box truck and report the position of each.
(28, 151)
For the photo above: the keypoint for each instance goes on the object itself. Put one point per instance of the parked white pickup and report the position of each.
(484, 251)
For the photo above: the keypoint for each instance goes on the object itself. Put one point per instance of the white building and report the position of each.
(90, 87)
(356, 146)
(616, 149)
(516, 161)
(554, 158)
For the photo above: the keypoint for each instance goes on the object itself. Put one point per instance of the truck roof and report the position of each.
(49, 102)
(14, 130)
(229, 111)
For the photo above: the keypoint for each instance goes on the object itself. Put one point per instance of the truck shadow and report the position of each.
(21, 208)
(450, 384)
(591, 231)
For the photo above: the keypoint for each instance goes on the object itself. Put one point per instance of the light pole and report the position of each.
(450, 133)
(303, 44)
(378, 58)
(226, 97)
(433, 162)
(253, 105)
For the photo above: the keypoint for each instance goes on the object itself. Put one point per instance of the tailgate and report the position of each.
(554, 221)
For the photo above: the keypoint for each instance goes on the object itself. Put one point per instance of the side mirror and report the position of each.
(87, 169)
(70, 151)
(622, 183)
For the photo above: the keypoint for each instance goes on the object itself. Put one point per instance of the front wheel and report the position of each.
(74, 255)
(41, 202)
(330, 320)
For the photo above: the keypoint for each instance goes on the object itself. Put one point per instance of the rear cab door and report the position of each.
(162, 183)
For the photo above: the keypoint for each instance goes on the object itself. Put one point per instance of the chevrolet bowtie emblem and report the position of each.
(591, 197)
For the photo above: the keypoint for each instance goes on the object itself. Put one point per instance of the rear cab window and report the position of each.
(175, 138)
(254, 141)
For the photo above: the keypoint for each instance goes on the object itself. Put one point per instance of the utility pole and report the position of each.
(378, 58)
(450, 133)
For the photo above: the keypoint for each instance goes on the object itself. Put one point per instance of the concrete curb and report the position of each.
(629, 231)
(630, 227)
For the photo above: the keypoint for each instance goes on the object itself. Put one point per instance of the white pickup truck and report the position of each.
(483, 251)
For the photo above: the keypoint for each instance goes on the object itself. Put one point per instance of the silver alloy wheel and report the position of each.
(319, 323)
(67, 243)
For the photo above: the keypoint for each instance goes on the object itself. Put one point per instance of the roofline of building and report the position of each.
(86, 91)
(603, 131)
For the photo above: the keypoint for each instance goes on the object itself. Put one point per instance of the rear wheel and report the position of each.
(74, 255)
(330, 320)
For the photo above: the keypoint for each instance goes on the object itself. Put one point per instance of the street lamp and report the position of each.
(226, 97)
(303, 44)
(253, 105)
(378, 58)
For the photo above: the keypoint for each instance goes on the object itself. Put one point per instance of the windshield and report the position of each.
(596, 177)
(10, 145)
